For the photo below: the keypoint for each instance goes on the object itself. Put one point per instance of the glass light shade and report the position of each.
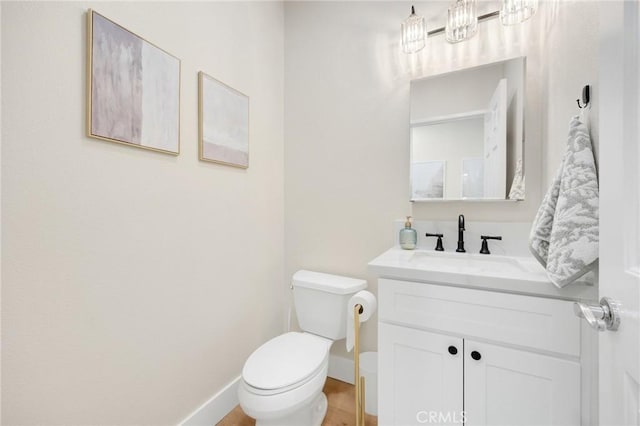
(517, 11)
(414, 33)
(462, 21)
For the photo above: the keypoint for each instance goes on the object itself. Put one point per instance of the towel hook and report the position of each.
(585, 97)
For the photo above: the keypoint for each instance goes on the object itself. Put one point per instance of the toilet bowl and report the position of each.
(282, 380)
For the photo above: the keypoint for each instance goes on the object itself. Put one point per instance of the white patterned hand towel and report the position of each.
(564, 236)
(517, 186)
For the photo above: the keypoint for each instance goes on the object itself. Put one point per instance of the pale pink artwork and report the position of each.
(224, 123)
(135, 89)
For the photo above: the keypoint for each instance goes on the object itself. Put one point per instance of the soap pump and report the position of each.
(408, 236)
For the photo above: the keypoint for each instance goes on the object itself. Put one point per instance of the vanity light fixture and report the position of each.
(517, 11)
(462, 21)
(414, 33)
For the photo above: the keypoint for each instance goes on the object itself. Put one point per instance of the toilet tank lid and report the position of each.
(326, 282)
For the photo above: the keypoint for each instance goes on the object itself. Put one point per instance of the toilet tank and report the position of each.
(321, 302)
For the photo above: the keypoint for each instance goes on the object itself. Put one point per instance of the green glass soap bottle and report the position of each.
(408, 236)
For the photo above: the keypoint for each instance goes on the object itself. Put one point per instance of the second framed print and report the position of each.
(224, 123)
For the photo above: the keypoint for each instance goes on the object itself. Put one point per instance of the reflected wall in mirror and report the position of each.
(467, 134)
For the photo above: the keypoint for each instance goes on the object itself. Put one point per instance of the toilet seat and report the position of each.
(281, 404)
(285, 362)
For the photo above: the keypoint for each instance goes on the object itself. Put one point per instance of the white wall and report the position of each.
(347, 114)
(347, 138)
(571, 56)
(135, 284)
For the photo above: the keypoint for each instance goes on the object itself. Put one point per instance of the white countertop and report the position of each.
(510, 274)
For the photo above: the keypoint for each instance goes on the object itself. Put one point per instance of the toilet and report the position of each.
(282, 380)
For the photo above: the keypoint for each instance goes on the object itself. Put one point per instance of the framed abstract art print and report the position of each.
(133, 88)
(224, 123)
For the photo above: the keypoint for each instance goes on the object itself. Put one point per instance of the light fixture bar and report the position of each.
(481, 18)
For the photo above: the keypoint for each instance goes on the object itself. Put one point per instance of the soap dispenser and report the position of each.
(408, 236)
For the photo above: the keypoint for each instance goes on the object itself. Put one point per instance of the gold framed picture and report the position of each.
(223, 123)
(133, 88)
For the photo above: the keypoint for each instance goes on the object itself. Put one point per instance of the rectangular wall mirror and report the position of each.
(467, 134)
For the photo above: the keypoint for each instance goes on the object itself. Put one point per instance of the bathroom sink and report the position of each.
(466, 261)
(497, 272)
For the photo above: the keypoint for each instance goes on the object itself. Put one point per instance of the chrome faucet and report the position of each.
(461, 230)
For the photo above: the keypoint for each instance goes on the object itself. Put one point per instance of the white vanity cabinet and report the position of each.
(501, 359)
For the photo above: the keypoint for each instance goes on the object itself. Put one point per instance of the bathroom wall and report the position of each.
(347, 114)
(135, 284)
(571, 55)
(347, 137)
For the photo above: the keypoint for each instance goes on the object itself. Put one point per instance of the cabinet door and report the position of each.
(419, 377)
(513, 387)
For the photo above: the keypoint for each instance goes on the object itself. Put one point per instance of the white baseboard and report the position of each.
(218, 406)
(341, 368)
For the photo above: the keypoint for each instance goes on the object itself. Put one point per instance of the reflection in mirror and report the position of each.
(467, 134)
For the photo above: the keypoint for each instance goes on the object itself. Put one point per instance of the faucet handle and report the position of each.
(438, 243)
(485, 247)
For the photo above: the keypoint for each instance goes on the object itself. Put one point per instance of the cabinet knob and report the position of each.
(476, 355)
(453, 350)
